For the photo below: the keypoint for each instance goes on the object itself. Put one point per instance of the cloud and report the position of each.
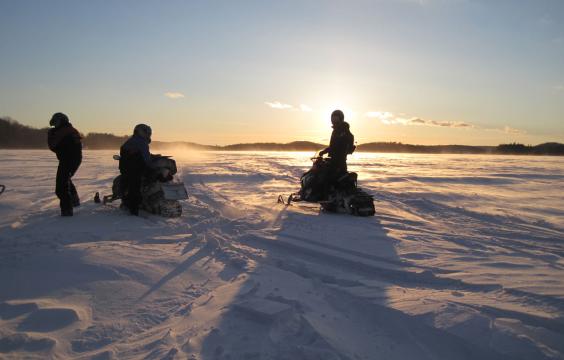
(507, 130)
(379, 114)
(281, 106)
(278, 105)
(389, 118)
(454, 124)
(174, 95)
(305, 108)
(510, 130)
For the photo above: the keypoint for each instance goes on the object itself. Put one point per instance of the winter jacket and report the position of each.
(65, 141)
(341, 144)
(135, 149)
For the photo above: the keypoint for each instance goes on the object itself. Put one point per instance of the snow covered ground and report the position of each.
(463, 260)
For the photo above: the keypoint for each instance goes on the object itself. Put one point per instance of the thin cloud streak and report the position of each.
(282, 106)
(510, 130)
(278, 105)
(389, 118)
(174, 95)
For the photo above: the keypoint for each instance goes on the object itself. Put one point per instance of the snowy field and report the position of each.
(463, 260)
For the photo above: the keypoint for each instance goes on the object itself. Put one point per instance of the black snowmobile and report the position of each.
(340, 194)
(160, 194)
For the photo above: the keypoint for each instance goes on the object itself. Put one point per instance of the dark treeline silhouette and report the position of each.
(103, 141)
(14, 135)
(550, 148)
(175, 145)
(424, 149)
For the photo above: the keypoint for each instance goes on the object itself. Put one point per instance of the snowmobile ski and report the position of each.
(288, 201)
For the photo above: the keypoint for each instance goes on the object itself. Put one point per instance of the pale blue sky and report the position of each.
(429, 71)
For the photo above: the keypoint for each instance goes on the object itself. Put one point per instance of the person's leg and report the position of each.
(134, 196)
(62, 189)
(132, 173)
(332, 172)
(75, 200)
(124, 189)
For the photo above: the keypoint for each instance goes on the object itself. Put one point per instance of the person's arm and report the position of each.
(146, 155)
(51, 139)
(55, 136)
(330, 147)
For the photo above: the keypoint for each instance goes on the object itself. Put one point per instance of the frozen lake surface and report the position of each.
(463, 260)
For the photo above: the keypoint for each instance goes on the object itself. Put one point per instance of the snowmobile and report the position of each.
(340, 194)
(160, 194)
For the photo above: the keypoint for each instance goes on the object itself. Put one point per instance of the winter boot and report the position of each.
(75, 200)
(67, 212)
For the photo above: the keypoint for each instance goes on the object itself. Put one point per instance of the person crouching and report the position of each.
(135, 159)
(65, 141)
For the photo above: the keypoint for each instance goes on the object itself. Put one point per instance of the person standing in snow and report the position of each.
(135, 158)
(65, 141)
(340, 145)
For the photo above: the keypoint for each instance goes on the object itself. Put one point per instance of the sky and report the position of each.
(221, 72)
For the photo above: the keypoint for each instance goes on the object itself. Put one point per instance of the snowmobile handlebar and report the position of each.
(317, 156)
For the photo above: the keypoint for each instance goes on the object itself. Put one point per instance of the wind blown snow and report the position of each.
(463, 260)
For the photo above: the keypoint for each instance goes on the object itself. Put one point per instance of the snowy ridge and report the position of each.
(463, 260)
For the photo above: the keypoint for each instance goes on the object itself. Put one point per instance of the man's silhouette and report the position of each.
(341, 144)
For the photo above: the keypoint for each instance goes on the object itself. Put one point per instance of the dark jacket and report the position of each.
(134, 154)
(65, 141)
(341, 144)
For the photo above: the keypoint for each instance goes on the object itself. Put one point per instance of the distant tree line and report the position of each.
(14, 135)
(550, 148)
(103, 141)
(398, 147)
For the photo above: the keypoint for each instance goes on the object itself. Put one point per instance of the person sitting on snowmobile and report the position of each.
(340, 145)
(135, 159)
(65, 141)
